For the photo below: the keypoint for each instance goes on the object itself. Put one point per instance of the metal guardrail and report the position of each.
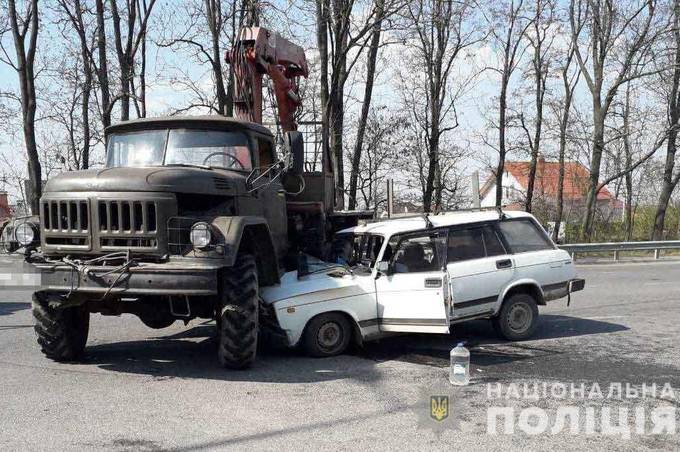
(617, 247)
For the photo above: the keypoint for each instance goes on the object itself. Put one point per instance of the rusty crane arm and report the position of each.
(259, 51)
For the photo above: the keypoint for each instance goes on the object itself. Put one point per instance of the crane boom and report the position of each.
(258, 51)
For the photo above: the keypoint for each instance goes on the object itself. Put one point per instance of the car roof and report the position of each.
(212, 121)
(417, 223)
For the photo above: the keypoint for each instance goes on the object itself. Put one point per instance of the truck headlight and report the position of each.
(200, 235)
(24, 234)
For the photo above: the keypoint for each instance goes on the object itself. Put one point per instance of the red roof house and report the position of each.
(576, 181)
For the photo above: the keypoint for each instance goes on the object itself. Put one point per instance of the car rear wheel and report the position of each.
(327, 335)
(518, 318)
(61, 332)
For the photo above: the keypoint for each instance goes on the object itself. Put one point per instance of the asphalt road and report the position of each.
(143, 389)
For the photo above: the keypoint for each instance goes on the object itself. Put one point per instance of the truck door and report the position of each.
(413, 295)
(479, 269)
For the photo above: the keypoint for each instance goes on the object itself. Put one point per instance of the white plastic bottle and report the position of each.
(459, 372)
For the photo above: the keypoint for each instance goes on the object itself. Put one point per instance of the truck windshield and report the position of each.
(213, 148)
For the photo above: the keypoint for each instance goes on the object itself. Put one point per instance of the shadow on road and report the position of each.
(181, 355)
(487, 349)
(192, 353)
(11, 307)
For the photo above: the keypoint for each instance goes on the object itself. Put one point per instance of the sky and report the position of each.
(476, 107)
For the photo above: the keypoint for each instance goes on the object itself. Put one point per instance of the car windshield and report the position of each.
(193, 147)
(356, 249)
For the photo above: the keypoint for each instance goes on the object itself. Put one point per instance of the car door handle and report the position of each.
(432, 283)
(504, 263)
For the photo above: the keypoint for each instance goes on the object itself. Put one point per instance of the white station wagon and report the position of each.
(422, 275)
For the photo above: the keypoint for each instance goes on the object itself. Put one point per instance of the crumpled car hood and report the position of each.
(313, 288)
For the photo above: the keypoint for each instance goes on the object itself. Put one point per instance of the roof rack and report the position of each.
(426, 216)
(499, 209)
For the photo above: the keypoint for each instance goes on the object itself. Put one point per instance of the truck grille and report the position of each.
(127, 224)
(127, 216)
(100, 225)
(66, 216)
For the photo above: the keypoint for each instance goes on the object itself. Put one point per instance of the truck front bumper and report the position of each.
(171, 278)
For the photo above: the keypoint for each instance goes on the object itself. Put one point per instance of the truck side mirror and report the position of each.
(294, 146)
(383, 267)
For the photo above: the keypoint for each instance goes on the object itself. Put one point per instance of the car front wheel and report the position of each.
(327, 335)
(518, 318)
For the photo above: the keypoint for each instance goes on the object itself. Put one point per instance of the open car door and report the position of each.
(413, 294)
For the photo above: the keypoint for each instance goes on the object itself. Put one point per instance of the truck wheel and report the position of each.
(327, 335)
(61, 333)
(238, 316)
(518, 318)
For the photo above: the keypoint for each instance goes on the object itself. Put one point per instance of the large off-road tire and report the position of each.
(327, 335)
(518, 318)
(61, 332)
(238, 314)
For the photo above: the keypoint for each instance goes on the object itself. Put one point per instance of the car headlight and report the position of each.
(200, 235)
(24, 234)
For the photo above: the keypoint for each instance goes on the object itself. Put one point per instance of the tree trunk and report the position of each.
(322, 11)
(628, 209)
(368, 92)
(564, 125)
(536, 144)
(25, 64)
(594, 178)
(503, 105)
(213, 11)
(669, 180)
(103, 71)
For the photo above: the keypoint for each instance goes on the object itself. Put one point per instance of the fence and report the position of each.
(617, 247)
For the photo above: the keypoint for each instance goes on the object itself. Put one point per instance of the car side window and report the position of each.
(417, 254)
(465, 244)
(473, 243)
(523, 235)
(492, 243)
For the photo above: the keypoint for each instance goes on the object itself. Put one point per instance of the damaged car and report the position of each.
(423, 274)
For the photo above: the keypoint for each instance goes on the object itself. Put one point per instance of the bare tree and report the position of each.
(540, 39)
(222, 20)
(24, 27)
(618, 38)
(570, 80)
(74, 10)
(341, 39)
(103, 68)
(383, 131)
(368, 93)
(670, 176)
(440, 31)
(127, 46)
(508, 35)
